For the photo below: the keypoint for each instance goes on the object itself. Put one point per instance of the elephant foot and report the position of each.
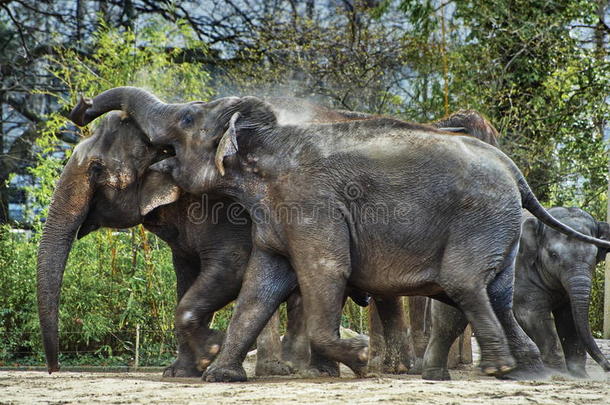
(183, 366)
(271, 367)
(225, 374)
(359, 365)
(498, 368)
(528, 368)
(520, 374)
(209, 351)
(173, 371)
(395, 368)
(360, 358)
(325, 368)
(578, 372)
(436, 374)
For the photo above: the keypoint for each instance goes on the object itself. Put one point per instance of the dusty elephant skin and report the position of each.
(552, 276)
(445, 240)
(106, 184)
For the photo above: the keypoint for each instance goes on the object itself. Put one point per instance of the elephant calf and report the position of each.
(551, 296)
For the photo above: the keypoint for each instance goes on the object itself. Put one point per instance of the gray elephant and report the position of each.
(551, 298)
(553, 275)
(443, 238)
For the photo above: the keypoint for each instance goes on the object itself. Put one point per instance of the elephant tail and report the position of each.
(531, 203)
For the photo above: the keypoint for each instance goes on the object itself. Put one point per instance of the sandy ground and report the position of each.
(20, 387)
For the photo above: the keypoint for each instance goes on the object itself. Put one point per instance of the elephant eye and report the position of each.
(96, 167)
(187, 120)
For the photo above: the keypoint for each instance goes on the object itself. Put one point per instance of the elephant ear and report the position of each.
(227, 145)
(156, 190)
(531, 232)
(603, 232)
(247, 114)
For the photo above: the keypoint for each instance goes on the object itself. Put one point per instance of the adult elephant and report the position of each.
(551, 299)
(444, 239)
(391, 351)
(106, 183)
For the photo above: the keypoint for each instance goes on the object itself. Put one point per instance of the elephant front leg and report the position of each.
(574, 349)
(267, 282)
(419, 322)
(187, 270)
(212, 290)
(539, 325)
(269, 350)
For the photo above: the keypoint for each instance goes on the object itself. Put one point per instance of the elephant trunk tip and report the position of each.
(78, 115)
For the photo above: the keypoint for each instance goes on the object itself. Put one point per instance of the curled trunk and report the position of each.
(67, 211)
(149, 112)
(579, 291)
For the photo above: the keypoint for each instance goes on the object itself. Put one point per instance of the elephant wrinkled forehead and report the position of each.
(116, 133)
(576, 219)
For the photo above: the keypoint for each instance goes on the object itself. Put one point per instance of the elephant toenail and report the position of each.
(203, 364)
(214, 349)
(490, 370)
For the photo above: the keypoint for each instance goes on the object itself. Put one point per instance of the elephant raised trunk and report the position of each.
(579, 291)
(67, 212)
(147, 110)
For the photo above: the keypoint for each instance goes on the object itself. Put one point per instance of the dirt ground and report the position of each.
(20, 387)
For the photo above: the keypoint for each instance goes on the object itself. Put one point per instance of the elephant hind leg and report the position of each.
(390, 346)
(462, 276)
(323, 314)
(525, 351)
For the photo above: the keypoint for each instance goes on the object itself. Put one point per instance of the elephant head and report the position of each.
(566, 264)
(104, 183)
(203, 135)
(472, 123)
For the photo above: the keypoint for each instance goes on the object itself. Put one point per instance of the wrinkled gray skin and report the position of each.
(551, 300)
(445, 239)
(106, 184)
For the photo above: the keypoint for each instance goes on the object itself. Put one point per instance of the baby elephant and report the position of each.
(551, 298)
